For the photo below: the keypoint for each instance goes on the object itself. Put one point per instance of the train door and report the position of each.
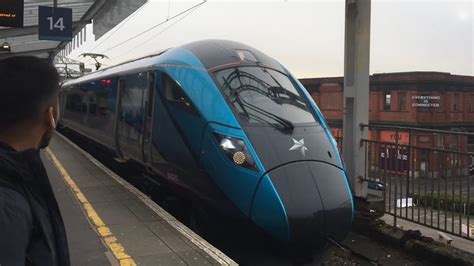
(119, 117)
(131, 115)
(62, 102)
(174, 127)
(148, 119)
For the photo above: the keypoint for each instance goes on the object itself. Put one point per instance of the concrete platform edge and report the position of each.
(201, 243)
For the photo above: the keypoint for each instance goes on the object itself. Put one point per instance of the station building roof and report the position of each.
(418, 78)
(24, 41)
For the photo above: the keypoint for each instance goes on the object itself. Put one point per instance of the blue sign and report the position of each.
(55, 23)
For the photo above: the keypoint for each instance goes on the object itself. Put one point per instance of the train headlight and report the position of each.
(239, 158)
(236, 150)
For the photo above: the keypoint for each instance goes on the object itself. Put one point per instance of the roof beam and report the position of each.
(32, 30)
(96, 7)
(32, 52)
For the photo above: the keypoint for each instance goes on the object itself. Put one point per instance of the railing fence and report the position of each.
(424, 176)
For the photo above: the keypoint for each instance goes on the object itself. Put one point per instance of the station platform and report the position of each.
(110, 222)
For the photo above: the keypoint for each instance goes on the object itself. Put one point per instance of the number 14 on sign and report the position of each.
(59, 24)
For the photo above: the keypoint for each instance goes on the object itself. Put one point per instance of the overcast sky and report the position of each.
(306, 36)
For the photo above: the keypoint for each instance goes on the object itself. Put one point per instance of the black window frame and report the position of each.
(387, 106)
(402, 107)
(456, 101)
(471, 101)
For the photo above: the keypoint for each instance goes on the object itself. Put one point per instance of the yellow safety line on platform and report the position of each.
(102, 230)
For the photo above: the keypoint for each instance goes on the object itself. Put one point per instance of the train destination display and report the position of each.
(11, 13)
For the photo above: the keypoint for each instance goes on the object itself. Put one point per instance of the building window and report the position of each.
(387, 101)
(402, 101)
(470, 141)
(456, 102)
(453, 141)
(439, 141)
(471, 101)
(442, 99)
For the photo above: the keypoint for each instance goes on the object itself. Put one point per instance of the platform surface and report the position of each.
(108, 222)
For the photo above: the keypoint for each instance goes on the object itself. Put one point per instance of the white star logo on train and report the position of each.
(299, 145)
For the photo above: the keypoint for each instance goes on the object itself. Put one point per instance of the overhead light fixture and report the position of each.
(5, 47)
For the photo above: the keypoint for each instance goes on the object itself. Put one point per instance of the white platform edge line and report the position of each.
(209, 249)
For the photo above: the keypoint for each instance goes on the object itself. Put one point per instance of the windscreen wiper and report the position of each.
(287, 125)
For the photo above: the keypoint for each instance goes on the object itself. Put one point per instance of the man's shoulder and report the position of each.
(11, 193)
(16, 227)
(14, 209)
(10, 181)
(13, 202)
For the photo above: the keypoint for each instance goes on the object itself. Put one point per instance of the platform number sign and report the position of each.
(55, 23)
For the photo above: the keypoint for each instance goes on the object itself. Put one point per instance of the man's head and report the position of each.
(29, 89)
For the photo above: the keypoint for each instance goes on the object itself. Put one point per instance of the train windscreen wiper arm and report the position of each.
(288, 125)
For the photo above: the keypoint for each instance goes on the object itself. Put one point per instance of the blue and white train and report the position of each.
(228, 125)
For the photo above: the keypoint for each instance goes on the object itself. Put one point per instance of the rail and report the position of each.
(417, 129)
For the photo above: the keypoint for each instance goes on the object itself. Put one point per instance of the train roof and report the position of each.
(218, 53)
(211, 53)
(136, 63)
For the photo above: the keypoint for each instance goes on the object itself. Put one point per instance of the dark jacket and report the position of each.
(31, 228)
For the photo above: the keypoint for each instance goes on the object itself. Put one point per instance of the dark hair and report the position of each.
(27, 85)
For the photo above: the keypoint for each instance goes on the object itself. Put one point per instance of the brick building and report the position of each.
(418, 99)
(433, 100)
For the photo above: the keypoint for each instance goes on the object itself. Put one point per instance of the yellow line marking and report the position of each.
(102, 230)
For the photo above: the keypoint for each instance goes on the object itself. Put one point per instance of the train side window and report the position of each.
(74, 99)
(175, 95)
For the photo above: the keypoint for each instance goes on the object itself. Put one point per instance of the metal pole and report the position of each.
(356, 90)
(55, 3)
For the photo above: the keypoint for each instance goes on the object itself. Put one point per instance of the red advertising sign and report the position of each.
(395, 137)
(336, 132)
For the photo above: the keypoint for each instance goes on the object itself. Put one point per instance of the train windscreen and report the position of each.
(263, 96)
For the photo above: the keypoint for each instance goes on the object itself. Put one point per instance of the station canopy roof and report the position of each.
(24, 41)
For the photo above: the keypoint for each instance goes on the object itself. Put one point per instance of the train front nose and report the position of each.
(315, 203)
